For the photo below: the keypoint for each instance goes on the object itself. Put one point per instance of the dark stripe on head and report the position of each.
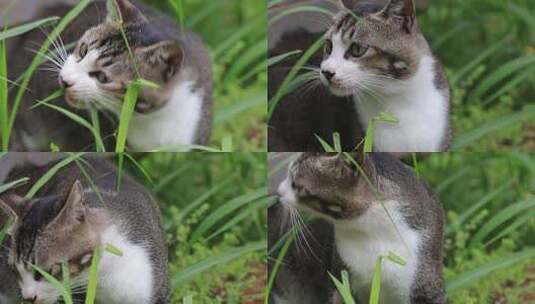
(41, 213)
(138, 35)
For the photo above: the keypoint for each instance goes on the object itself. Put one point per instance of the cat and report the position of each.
(331, 187)
(173, 116)
(376, 59)
(70, 218)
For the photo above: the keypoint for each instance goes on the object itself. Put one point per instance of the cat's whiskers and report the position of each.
(52, 60)
(58, 46)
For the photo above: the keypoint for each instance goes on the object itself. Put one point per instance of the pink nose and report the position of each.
(63, 83)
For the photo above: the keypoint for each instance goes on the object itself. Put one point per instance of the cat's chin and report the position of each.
(73, 102)
(339, 92)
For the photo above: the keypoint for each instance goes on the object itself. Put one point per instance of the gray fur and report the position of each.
(132, 208)
(35, 129)
(329, 179)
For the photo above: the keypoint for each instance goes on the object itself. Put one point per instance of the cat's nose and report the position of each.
(63, 83)
(327, 74)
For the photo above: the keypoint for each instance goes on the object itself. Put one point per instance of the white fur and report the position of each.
(420, 108)
(173, 125)
(362, 240)
(122, 279)
(418, 105)
(127, 278)
(77, 73)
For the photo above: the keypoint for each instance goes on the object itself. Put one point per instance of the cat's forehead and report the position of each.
(99, 32)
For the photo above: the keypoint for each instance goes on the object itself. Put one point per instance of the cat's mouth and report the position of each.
(336, 88)
(73, 101)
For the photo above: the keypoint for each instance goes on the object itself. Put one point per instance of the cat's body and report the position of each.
(377, 59)
(327, 186)
(177, 114)
(128, 219)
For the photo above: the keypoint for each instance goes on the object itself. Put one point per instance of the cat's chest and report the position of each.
(125, 278)
(374, 235)
(172, 126)
(422, 114)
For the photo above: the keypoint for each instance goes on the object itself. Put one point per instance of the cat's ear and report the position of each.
(13, 206)
(73, 210)
(166, 56)
(402, 10)
(123, 9)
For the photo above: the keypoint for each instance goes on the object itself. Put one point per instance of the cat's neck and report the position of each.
(361, 241)
(421, 107)
(172, 127)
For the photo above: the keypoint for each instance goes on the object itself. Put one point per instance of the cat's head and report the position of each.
(101, 66)
(46, 233)
(372, 49)
(327, 184)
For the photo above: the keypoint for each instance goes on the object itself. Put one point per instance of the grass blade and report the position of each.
(130, 99)
(93, 277)
(73, 13)
(50, 174)
(13, 184)
(500, 218)
(195, 270)
(468, 278)
(21, 29)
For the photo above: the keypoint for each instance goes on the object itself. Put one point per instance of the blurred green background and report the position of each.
(488, 49)
(235, 33)
(489, 200)
(214, 207)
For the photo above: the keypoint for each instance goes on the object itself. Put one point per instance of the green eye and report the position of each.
(357, 50)
(100, 76)
(83, 50)
(328, 48)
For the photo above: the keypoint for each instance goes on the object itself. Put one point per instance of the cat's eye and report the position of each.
(83, 50)
(100, 76)
(357, 50)
(328, 47)
(37, 276)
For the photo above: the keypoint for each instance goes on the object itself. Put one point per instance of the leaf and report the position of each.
(275, 270)
(55, 283)
(376, 281)
(113, 250)
(343, 287)
(127, 110)
(226, 209)
(468, 278)
(37, 60)
(4, 108)
(394, 258)
(325, 145)
(13, 184)
(500, 74)
(92, 283)
(21, 29)
(274, 60)
(50, 174)
(500, 218)
(283, 89)
(195, 270)
(498, 124)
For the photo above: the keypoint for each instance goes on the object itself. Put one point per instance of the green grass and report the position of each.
(237, 47)
(488, 52)
(489, 246)
(214, 211)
